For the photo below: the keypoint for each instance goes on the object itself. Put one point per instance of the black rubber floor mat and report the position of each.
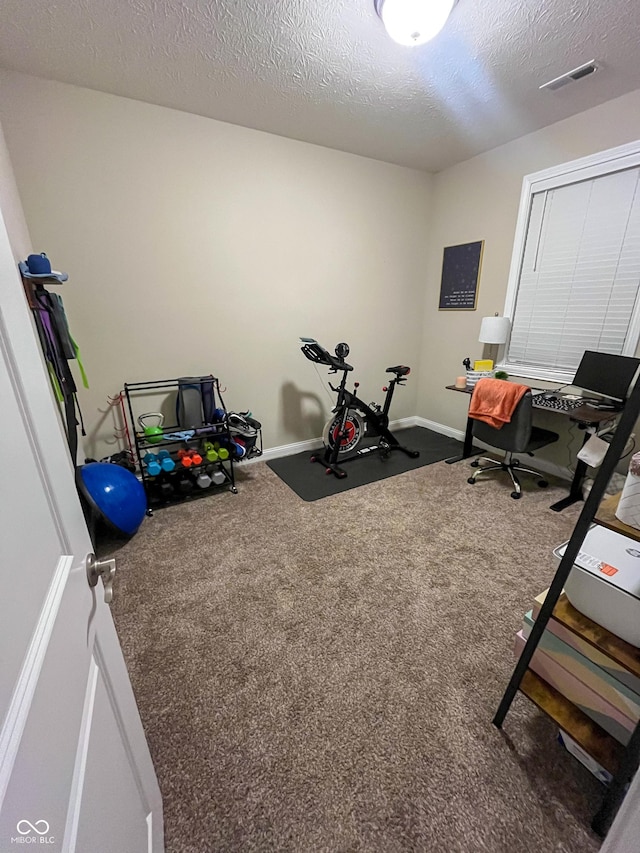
(309, 481)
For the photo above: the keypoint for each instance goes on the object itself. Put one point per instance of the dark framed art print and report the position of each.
(461, 267)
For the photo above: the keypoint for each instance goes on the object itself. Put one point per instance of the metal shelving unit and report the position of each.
(181, 483)
(524, 680)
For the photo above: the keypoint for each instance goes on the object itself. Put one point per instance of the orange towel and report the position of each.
(494, 401)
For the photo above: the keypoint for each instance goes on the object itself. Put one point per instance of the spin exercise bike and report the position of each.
(352, 418)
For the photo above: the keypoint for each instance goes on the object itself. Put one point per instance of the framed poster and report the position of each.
(460, 277)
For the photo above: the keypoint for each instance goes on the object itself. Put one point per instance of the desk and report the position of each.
(584, 416)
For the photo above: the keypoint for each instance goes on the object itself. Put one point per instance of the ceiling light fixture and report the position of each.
(413, 22)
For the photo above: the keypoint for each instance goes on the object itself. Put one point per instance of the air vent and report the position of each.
(571, 76)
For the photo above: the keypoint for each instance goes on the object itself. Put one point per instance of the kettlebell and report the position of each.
(152, 432)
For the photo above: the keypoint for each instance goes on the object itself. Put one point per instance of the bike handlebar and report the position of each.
(318, 354)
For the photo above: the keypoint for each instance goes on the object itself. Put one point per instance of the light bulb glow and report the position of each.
(413, 22)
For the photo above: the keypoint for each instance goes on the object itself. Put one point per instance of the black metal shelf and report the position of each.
(159, 384)
(134, 391)
(631, 754)
(156, 498)
(145, 444)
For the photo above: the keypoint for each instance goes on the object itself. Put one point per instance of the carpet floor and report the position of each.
(322, 676)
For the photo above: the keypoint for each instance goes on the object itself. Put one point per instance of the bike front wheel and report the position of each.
(355, 429)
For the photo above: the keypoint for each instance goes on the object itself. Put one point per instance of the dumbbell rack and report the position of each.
(135, 393)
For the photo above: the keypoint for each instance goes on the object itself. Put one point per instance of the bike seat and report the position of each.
(399, 370)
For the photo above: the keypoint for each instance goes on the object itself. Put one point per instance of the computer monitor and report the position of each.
(606, 374)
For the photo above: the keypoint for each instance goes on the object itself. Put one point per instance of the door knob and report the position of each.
(105, 569)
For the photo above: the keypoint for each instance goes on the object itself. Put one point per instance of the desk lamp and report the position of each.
(494, 331)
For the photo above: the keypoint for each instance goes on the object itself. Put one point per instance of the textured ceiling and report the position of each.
(324, 71)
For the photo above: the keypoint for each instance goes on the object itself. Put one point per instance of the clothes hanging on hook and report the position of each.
(59, 347)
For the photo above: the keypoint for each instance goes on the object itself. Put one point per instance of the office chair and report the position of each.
(518, 436)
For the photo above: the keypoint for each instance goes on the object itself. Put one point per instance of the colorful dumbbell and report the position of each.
(204, 480)
(189, 457)
(166, 461)
(222, 452)
(210, 452)
(153, 464)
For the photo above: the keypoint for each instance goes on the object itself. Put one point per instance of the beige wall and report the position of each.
(16, 225)
(478, 200)
(195, 246)
(11, 207)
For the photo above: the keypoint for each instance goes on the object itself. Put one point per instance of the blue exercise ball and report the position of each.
(114, 493)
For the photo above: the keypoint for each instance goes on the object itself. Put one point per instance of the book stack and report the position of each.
(596, 671)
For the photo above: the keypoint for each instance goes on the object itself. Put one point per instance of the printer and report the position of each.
(604, 582)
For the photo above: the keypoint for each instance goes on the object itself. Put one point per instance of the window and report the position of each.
(575, 273)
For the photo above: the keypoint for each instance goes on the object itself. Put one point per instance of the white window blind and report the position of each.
(580, 273)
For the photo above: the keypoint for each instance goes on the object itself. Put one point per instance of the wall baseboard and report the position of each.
(312, 444)
(285, 450)
(545, 466)
(441, 428)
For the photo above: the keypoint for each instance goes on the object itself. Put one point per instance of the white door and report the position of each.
(75, 770)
